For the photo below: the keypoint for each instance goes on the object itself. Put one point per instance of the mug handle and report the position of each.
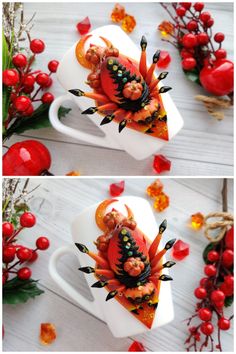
(90, 306)
(74, 133)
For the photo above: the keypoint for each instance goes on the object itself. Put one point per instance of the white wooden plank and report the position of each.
(76, 330)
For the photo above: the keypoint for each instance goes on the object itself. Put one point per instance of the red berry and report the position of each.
(210, 270)
(28, 89)
(192, 329)
(203, 282)
(164, 59)
(9, 254)
(217, 296)
(28, 80)
(13, 96)
(229, 238)
(219, 37)
(189, 40)
(219, 304)
(207, 328)
(29, 111)
(199, 6)
(21, 103)
(42, 243)
(53, 65)
(47, 97)
(220, 53)
(186, 5)
(181, 11)
(7, 229)
(200, 293)
(10, 77)
(27, 219)
(192, 25)
(37, 46)
(189, 63)
(205, 314)
(33, 257)
(224, 324)
(228, 258)
(203, 38)
(229, 280)
(186, 53)
(205, 16)
(19, 60)
(49, 83)
(213, 256)
(227, 290)
(209, 23)
(42, 79)
(24, 254)
(24, 273)
(26, 158)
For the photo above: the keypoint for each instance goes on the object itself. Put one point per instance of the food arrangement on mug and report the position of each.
(125, 92)
(127, 264)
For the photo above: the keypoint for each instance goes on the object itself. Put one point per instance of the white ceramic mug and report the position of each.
(72, 75)
(85, 231)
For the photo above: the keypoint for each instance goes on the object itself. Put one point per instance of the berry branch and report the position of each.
(191, 31)
(17, 217)
(215, 292)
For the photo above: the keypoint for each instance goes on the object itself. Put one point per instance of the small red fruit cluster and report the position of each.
(21, 81)
(215, 289)
(200, 50)
(14, 255)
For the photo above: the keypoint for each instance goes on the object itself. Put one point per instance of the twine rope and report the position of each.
(223, 225)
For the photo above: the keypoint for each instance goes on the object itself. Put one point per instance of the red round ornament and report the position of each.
(26, 158)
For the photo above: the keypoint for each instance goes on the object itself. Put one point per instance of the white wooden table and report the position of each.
(76, 329)
(203, 147)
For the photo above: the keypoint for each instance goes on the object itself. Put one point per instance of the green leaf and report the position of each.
(193, 75)
(63, 111)
(16, 291)
(39, 119)
(5, 53)
(6, 92)
(229, 301)
(6, 63)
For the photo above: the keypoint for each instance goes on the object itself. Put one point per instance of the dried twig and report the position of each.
(212, 105)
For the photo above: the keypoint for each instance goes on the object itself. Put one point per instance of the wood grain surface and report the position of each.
(203, 147)
(56, 203)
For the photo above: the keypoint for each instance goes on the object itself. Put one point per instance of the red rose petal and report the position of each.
(161, 163)
(136, 347)
(180, 250)
(84, 26)
(117, 188)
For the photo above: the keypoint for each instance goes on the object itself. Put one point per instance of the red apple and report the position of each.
(218, 78)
